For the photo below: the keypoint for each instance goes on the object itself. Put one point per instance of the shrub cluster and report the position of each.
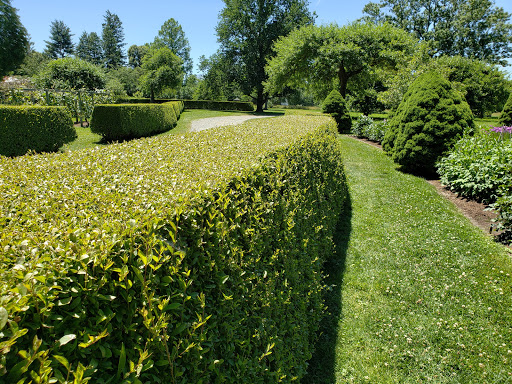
(198, 104)
(480, 167)
(334, 104)
(193, 259)
(128, 121)
(34, 128)
(368, 128)
(428, 122)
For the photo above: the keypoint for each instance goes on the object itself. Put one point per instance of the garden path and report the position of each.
(221, 121)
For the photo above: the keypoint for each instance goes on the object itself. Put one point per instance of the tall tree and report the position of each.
(136, 53)
(89, 48)
(469, 28)
(60, 44)
(171, 35)
(113, 40)
(13, 38)
(246, 31)
(328, 56)
(160, 68)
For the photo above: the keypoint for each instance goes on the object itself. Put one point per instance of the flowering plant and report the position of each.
(503, 132)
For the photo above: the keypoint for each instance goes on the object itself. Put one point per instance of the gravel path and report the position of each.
(211, 122)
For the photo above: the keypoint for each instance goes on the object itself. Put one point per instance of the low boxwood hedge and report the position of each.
(34, 128)
(128, 121)
(199, 104)
(193, 259)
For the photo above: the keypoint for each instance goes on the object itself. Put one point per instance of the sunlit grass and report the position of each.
(423, 295)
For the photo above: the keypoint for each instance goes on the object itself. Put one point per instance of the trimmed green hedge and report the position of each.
(199, 104)
(128, 121)
(34, 128)
(193, 259)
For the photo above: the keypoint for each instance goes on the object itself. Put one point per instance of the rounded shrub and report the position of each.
(428, 122)
(335, 105)
(506, 114)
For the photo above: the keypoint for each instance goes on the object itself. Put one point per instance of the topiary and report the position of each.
(506, 114)
(335, 105)
(428, 122)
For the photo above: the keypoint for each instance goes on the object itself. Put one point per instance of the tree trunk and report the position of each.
(260, 100)
(343, 79)
(152, 96)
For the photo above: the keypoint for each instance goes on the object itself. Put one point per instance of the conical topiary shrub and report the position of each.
(334, 104)
(428, 122)
(506, 114)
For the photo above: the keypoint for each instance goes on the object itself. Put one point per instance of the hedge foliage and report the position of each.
(506, 114)
(334, 104)
(428, 122)
(198, 104)
(193, 259)
(128, 121)
(34, 128)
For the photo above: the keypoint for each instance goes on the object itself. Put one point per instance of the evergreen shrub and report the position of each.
(506, 114)
(430, 119)
(34, 128)
(128, 121)
(335, 105)
(193, 259)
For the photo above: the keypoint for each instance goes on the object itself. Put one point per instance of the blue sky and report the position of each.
(142, 20)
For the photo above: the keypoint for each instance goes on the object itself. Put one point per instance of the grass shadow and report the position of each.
(321, 368)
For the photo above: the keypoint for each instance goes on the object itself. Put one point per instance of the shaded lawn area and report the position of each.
(420, 295)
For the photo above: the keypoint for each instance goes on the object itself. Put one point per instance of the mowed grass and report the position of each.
(420, 294)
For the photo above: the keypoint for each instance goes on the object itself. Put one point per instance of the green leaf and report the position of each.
(66, 339)
(62, 360)
(3, 317)
(122, 362)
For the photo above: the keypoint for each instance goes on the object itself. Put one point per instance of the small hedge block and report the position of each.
(128, 121)
(34, 128)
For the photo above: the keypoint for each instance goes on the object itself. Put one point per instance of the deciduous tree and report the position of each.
(161, 68)
(13, 38)
(71, 73)
(60, 44)
(246, 31)
(470, 28)
(325, 56)
(172, 36)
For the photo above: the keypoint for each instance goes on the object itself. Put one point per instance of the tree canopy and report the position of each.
(112, 40)
(71, 73)
(172, 36)
(469, 28)
(246, 31)
(89, 48)
(60, 44)
(161, 68)
(13, 38)
(136, 53)
(329, 55)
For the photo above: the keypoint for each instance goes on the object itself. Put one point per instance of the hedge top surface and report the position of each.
(102, 191)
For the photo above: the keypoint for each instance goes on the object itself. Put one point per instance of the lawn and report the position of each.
(418, 293)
